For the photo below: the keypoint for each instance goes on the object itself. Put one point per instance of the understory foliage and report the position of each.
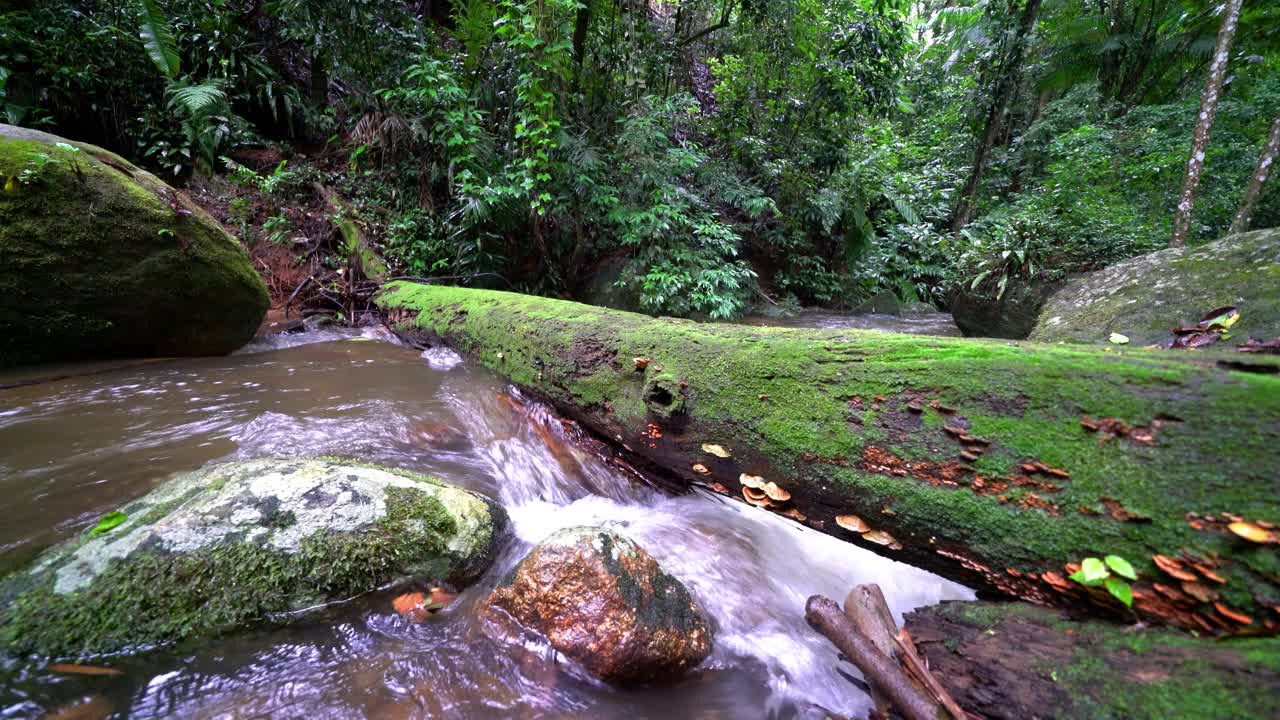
(713, 152)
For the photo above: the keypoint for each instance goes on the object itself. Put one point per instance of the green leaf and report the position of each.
(108, 522)
(157, 38)
(1121, 567)
(1093, 569)
(1121, 590)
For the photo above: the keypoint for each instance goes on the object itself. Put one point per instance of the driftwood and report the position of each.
(866, 608)
(881, 670)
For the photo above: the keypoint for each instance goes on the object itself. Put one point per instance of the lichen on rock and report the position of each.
(241, 543)
(101, 258)
(1145, 297)
(603, 601)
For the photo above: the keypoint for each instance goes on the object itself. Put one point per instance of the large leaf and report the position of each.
(1121, 567)
(1121, 590)
(157, 38)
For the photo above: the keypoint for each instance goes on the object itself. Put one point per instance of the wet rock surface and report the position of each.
(979, 313)
(603, 601)
(242, 543)
(1145, 297)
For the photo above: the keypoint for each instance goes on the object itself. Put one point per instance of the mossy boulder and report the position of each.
(602, 600)
(1011, 661)
(243, 543)
(997, 464)
(99, 258)
(1145, 297)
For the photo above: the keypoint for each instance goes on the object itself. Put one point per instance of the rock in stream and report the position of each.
(603, 601)
(242, 543)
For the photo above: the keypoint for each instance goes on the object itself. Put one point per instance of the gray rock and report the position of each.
(236, 544)
(1144, 297)
(1012, 316)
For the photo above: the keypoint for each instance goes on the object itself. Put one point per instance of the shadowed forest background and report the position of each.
(683, 158)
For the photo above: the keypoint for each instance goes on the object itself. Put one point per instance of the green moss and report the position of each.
(156, 598)
(1118, 672)
(89, 272)
(1145, 296)
(780, 398)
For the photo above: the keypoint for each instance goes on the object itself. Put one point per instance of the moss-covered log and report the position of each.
(1010, 661)
(994, 463)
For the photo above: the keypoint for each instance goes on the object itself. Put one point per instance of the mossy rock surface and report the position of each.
(1145, 297)
(243, 543)
(1012, 661)
(99, 258)
(601, 599)
(989, 462)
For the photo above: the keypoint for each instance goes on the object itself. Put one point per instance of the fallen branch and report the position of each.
(825, 616)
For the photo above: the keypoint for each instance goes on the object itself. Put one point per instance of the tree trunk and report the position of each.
(999, 465)
(1013, 661)
(1208, 109)
(1258, 180)
(1010, 69)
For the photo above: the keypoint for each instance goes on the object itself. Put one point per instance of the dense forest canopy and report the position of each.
(702, 155)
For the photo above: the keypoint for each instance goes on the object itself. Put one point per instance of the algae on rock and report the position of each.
(99, 258)
(1145, 297)
(240, 543)
(996, 464)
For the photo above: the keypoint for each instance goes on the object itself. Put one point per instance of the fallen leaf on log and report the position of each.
(1172, 567)
(716, 450)
(1253, 533)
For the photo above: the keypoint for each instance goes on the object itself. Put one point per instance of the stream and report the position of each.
(75, 448)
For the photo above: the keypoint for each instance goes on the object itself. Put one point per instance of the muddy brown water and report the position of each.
(75, 448)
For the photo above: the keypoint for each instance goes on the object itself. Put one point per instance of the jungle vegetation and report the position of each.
(710, 153)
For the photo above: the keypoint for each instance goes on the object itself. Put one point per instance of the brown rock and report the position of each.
(603, 601)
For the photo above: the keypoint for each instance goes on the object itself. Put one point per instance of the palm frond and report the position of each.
(157, 38)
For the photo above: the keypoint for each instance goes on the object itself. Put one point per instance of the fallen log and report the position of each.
(1001, 465)
(883, 673)
(1014, 661)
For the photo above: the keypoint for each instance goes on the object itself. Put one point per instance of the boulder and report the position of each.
(603, 601)
(1144, 297)
(235, 544)
(979, 313)
(99, 258)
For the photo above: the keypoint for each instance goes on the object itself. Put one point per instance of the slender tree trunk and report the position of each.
(1005, 85)
(1208, 109)
(1254, 190)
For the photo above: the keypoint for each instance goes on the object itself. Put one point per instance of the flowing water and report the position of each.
(916, 323)
(73, 449)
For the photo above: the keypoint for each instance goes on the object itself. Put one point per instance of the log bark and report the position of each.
(866, 608)
(881, 670)
(1204, 123)
(1259, 178)
(1013, 661)
(997, 464)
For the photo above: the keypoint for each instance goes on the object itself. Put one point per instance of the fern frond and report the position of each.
(197, 99)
